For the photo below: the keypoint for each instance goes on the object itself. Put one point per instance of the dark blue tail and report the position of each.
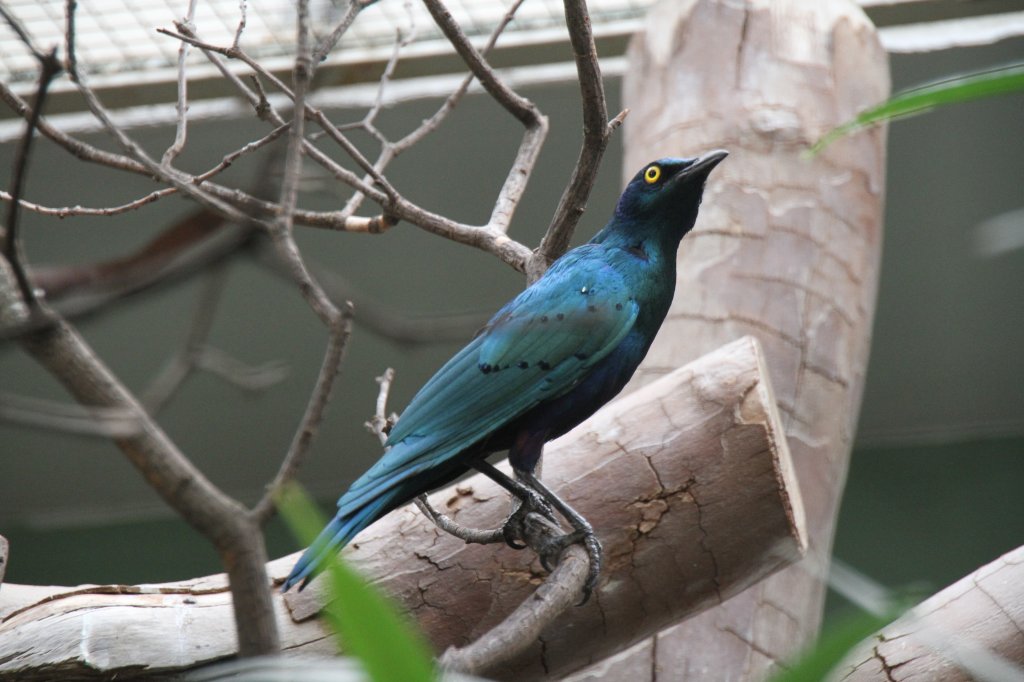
(332, 538)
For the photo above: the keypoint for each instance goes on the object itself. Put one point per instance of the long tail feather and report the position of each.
(332, 539)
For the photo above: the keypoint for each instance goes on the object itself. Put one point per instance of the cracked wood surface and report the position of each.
(687, 481)
(972, 630)
(786, 249)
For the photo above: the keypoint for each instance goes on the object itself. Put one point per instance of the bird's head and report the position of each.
(665, 194)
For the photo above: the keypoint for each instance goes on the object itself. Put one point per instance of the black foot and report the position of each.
(582, 533)
(537, 498)
(530, 503)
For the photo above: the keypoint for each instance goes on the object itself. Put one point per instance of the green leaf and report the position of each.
(834, 644)
(999, 81)
(364, 622)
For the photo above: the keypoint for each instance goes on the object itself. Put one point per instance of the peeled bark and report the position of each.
(786, 249)
(972, 630)
(686, 481)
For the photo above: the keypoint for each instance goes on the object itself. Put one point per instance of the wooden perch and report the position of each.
(688, 482)
(972, 630)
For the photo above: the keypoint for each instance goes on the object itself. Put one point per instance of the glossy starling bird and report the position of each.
(545, 362)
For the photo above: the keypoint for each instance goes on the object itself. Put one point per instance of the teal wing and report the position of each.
(537, 347)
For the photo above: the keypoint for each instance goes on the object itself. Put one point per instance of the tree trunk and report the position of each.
(787, 249)
(684, 480)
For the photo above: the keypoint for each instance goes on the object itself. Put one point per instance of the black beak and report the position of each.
(706, 163)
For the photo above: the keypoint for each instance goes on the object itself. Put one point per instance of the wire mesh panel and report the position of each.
(118, 37)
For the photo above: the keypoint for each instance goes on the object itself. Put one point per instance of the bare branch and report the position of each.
(61, 351)
(55, 416)
(523, 109)
(379, 318)
(518, 631)
(22, 33)
(338, 322)
(195, 354)
(168, 175)
(596, 131)
(236, 373)
(70, 211)
(181, 129)
(242, 7)
(49, 68)
(328, 43)
(380, 424)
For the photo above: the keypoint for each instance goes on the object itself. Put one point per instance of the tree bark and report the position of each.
(686, 481)
(786, 248)
(972, 630)
(3, 557)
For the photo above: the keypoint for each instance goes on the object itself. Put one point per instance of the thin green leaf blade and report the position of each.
(999, 81)
(364, 622)
(833, 646)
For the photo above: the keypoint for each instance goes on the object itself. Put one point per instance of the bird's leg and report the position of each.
(530, 501)
(537, 497)
(582, 532)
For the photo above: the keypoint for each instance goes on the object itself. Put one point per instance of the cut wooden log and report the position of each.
(972, 630)
(688, 483)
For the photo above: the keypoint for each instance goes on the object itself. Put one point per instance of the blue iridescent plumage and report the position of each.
(545, 362)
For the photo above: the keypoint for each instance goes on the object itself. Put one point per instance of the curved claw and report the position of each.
(510, 531)
(594, 553)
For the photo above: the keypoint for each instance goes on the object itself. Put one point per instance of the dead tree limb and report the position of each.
(972, 630)
(688, 482)
(223, 521)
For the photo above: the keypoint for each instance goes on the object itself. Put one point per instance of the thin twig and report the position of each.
(70, 211)
(225, 163)
(596, 132)
(338, 322)
(486, 238)
(242, 7)
(102, 422)
(49, 68)
(521, 108)
(380, 424)
(242, 200)
(168, 175)
(525, 111)
(329, 220)
(181, 128)
(378, 317)
(195, 354)
(328, 43)
(181, 364)
(22, 33)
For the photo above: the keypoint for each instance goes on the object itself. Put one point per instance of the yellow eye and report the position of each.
(652, 174)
